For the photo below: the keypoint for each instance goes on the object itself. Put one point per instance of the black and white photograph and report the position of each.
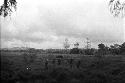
(62, 41)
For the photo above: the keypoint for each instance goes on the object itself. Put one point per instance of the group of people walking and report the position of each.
(60, 61)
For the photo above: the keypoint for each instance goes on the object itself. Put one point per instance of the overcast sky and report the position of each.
(46, 24)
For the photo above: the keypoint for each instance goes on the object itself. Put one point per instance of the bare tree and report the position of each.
(66, 44)
(76, 45)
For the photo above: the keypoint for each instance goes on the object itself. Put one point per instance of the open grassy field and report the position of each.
(67, 69)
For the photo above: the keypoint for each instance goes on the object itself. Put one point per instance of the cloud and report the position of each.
(46, 23)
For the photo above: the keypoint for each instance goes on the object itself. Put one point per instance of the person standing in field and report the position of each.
(46, 64)
(59, 61)
(78, 64)
(53, 61)
(71, 62)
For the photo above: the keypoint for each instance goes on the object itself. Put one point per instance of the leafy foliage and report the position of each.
(117, 8)
(8, 7)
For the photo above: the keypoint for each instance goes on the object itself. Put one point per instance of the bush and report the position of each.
(74, 51)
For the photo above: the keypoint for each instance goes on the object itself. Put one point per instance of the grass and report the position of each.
(106, 69)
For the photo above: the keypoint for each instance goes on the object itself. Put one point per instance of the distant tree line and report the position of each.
(115, 49)
(30, 50)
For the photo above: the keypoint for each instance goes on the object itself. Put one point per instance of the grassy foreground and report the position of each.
(91, 69)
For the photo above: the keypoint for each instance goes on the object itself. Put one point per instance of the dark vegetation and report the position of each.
(35, 67)
(115, 49)
(32, 67)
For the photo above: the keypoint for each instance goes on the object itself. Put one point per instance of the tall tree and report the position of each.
(101, 49)
(66, 44)
(115, 49)
(101, 46)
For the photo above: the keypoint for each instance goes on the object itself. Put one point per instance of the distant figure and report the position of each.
(59, 61)
(46, 64)
(78, 64)
(71, 62)
(53, 61)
